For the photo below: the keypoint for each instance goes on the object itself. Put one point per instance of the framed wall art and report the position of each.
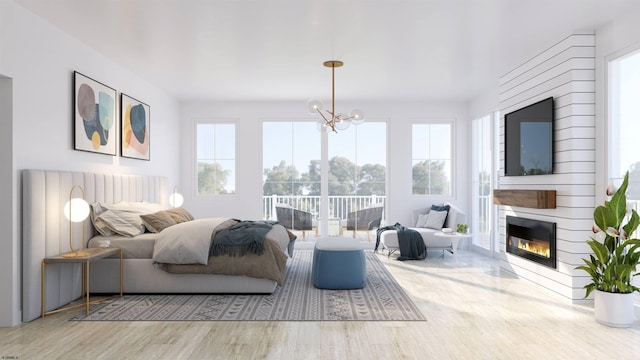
(94, 116)
(134, 139)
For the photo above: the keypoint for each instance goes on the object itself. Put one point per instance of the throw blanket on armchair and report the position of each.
(409, 241)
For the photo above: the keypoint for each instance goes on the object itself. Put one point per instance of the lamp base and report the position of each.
(75, 254)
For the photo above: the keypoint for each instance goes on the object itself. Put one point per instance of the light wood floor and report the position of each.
(473, 309)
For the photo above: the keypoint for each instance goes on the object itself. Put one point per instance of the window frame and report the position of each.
(196, 158)
(452, 160)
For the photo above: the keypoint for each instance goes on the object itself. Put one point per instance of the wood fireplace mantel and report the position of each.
(536, 199)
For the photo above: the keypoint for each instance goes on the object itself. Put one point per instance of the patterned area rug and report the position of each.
(381, 299)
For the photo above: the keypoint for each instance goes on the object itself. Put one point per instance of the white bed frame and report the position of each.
(45, 232)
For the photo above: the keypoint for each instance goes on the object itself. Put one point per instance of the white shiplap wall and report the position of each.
(565, 71)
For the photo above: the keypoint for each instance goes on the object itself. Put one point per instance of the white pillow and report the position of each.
(422, 220)
(118, 224)
(127, 211)
(435, 219)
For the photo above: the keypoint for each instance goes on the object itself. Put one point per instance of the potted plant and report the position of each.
(615, 258)
(462, 228)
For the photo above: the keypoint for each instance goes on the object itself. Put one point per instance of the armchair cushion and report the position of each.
(454, 216)
(436, 219)
(422, 220)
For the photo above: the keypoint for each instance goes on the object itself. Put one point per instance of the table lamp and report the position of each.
(176, 199)
(76, 210)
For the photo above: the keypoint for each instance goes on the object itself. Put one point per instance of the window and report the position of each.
(357, 168)
(292, 176)
(481, 165)
(291, 166)
(216, 158)
(623, 147)
(625, 112)
(431, 158)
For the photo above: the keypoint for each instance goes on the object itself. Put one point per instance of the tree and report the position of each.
(311, 179)
(484, 183)
(282, 180)
(343, 178)
(430, 178)
(372, 180)
(212, 179)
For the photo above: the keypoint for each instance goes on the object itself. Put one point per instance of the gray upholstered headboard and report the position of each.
(45, 230)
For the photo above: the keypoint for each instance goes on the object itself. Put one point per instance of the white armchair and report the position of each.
(389, 238)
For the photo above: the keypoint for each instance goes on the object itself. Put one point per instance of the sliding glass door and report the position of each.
(357, 159)
(482, 170)
(291, 188)
(293, 178)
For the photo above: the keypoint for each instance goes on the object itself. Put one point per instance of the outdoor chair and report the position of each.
(364, 220)
(294, 219)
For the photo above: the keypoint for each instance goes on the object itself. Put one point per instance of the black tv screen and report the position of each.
(528, 140)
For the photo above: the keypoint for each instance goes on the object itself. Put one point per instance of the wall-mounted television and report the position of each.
(528, 140)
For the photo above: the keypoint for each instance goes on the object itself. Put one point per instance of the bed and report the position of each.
(46, 232)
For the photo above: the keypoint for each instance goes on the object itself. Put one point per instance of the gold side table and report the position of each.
(93, 254)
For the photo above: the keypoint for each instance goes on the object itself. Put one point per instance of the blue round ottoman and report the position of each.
(338, 263)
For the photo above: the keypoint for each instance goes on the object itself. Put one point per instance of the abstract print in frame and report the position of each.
(135, 128)
(94, 116)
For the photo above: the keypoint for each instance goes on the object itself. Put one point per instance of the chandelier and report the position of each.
(340, 121)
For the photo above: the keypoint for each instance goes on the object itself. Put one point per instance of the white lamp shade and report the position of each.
(342, 122)
(313, 106)
(357, 116)
(176, 199)
(76, 210)
(321, 125)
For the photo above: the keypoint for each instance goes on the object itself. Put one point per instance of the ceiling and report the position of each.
(429, 50)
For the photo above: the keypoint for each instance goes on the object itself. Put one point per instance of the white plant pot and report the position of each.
(613, 309)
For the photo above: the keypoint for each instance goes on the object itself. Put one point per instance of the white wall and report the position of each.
(249, 116)
(7, 202)
(40, 60)
(566, 71)
(484, 104)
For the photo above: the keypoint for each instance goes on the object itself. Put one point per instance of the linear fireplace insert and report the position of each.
(534, 240)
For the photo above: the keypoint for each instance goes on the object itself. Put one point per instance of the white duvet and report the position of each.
(186, 243)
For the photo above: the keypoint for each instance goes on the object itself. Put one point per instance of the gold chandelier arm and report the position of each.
(327, 121)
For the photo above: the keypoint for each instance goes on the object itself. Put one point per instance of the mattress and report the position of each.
(137, 247)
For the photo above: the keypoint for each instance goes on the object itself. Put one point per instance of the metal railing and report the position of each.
(339, 206)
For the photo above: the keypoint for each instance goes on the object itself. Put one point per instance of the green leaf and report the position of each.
(618, 202)
(599, 250)
(589, 288)
(633, 223)
(604, 218)
(590, 269)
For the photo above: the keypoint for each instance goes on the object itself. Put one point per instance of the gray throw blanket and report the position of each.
(409, 241)
(241, 238)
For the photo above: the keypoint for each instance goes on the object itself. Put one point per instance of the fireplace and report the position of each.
(534, 240)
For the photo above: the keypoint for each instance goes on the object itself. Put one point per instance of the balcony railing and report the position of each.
(339, 206)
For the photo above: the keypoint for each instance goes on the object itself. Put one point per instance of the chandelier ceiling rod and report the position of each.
(336, 121)
(333, 64)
